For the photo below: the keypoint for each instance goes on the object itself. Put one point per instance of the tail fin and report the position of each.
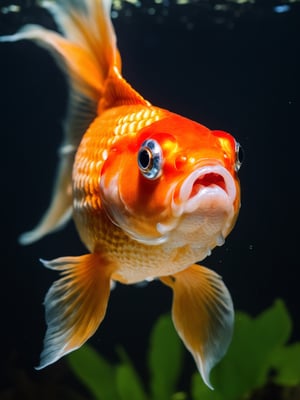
(86, 51)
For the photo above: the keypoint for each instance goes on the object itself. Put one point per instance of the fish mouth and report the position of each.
(207, 187)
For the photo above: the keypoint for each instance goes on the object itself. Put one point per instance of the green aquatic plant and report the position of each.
(121, 381)
(258, 356)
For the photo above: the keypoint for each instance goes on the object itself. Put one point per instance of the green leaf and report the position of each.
(202, 392)
(272, 330)
(234, 375)
(248, 360)
(179, 396)
(286, 361)
(128, 383)
(94, 372)
(165, 359)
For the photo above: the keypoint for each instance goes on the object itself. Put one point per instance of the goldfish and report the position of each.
(151, 194)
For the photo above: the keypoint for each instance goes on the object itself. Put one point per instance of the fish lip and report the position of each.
(222, 187)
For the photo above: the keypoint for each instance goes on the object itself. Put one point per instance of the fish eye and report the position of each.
(239, 156)
(150, 159)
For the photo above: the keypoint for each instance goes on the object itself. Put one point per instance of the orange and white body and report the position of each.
(151, 194)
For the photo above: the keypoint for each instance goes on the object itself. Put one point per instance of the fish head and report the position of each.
(173, 179)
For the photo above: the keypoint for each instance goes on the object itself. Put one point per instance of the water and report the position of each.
(229, 65)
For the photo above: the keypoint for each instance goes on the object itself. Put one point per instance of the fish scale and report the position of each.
(101, 136)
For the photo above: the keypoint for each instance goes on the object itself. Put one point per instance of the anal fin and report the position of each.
(75, 304)
(203, 315)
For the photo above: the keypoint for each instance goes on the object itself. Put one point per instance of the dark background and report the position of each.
(234, 68)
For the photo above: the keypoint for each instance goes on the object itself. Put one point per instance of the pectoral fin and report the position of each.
(75, 304)
(202, 314)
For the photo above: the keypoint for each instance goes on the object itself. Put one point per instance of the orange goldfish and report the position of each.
(151, 194)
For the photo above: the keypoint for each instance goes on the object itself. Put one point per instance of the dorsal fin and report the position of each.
(118, 92)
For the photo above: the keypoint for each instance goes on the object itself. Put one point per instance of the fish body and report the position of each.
(144, 212)
(151, 194)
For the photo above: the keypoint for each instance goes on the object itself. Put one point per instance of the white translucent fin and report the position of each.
(75, 304)
(203, 315)
(85, 51)
(60, 210)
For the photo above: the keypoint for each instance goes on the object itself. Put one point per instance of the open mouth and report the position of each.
(205, 186)
(207, 180)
